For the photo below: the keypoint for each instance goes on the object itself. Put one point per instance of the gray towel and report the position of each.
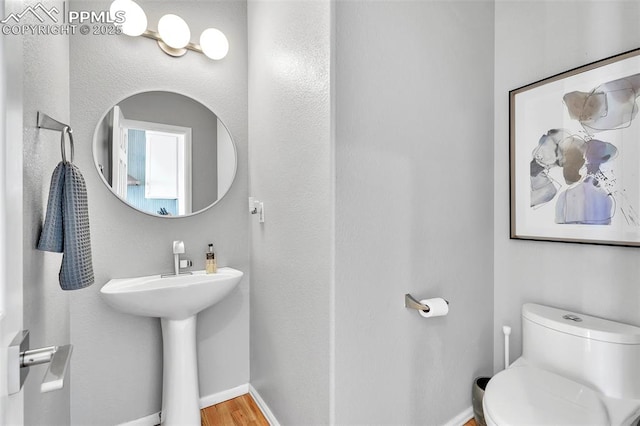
(66, 227)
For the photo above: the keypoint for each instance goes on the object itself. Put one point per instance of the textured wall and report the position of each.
(291, 172)
(535, 40)
(414, 207)
(46, 306)
(117, 364)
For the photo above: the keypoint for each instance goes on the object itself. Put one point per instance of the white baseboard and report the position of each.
(461, 418)
(205, 401)
(263, 406)
(150, 420)
(217, 398)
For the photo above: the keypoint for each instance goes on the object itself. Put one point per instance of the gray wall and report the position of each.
(414, 207)
(598, 280)
(46, 306)
(116, 370)
(401, 130)
(291, 172)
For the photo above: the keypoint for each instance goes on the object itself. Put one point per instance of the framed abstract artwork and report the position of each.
(575, 155)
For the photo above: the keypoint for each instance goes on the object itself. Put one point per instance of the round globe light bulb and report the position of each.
(133, 21)
(174, 31)
(214, 43)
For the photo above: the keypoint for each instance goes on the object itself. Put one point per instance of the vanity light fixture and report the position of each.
(173, 35)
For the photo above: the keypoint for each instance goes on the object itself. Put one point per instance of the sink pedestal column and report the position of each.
(180, 393)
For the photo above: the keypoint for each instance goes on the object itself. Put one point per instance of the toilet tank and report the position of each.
(599, 353)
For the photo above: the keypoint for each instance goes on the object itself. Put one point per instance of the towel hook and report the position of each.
(68, 131)
(46, 122)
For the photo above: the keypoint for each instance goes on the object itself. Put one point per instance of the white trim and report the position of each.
(263, 406)
(217, 398)
(12, 167)
(461, 418)
(154, 127)
(150, 420)
(333, 197)
(205, 401)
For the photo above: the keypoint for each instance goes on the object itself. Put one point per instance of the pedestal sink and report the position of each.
(176, 300)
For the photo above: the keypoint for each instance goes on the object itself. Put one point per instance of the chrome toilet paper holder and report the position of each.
(411, 303)
(20, 358)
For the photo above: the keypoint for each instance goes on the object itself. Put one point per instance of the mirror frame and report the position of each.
(104, 180)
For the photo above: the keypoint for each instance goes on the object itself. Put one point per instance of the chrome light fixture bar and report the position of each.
(173, 35)
(171, 51)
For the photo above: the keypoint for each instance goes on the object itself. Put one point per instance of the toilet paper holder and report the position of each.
(411, 303)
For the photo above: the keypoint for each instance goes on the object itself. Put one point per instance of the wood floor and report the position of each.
(243, 411)
(240, 411)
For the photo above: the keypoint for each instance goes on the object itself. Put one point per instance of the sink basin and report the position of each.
(176, 301)
(170, 297)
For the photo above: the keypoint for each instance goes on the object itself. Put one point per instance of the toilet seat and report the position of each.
(526, 395)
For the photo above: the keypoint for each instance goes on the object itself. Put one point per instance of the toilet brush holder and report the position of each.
(477, 393)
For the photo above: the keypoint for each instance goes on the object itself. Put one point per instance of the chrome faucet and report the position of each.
(178, 249)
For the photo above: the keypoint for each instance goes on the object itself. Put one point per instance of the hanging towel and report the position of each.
(66, 227)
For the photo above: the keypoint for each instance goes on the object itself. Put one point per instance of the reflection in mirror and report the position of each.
(164, 154)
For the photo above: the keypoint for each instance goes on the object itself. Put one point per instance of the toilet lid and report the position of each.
(530, 396)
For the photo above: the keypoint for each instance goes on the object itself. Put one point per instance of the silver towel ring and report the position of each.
(68, 131)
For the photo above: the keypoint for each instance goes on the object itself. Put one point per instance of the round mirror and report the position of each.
(164, 154)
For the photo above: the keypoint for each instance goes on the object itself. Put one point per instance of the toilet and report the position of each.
(575, 369)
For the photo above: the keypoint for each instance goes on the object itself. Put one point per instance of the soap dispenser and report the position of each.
(210, 261)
